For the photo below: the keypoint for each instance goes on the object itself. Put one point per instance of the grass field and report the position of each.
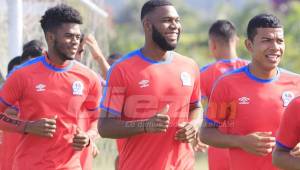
(108, 152)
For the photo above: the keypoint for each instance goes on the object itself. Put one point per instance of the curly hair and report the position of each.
(56, 16)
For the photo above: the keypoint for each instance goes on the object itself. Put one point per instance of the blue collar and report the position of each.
(149, 60)
(253, 77)
(52, 67)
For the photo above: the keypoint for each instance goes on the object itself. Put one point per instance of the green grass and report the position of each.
(108, 152)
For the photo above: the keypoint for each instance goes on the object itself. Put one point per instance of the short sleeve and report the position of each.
(203, 85)
(196, 94)
(94, 94)
(221, 107)
(114, 92)
(11, 91)
(289, 130)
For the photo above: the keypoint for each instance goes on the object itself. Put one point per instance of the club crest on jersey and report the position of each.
(77, 88)
(287, 97)
(186, 79)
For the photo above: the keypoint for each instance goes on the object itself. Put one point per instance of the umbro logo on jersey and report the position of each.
(144, 83)
(244, 100)
(40, 87)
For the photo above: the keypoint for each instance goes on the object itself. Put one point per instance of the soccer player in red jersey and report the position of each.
(152, 97)
(51, 91)
(286, 152)
(222, 45)
(246, 105)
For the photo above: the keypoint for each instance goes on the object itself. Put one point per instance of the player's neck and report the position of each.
(261, 73)
(55, 59)
(154, 53)
(226, 54)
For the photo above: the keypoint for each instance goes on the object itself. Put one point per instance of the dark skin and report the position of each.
(166, 20)
(285, 159)
(63, 43)
(62, 46)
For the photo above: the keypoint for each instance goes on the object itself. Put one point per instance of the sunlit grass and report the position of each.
(108, 152)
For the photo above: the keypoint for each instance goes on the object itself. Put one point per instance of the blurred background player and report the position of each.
(32, 49)
(89, 42)
(246, 105)
(223, 40)
(10, 141)
(112, 58)
(3, 146)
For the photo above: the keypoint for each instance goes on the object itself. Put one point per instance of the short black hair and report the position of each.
(32, 49)
(56, 16)
(149, 6)
(223, 29)
(262, 21)
(33, 43)
(115, 55)
(81, 37)
(13, 62)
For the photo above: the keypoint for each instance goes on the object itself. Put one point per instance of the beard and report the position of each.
(61, 54)
(160, 40)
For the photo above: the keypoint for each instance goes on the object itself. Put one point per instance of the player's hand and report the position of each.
(159, 122)
(258, 143)
(80, 140)
(198, 146)
(296, 151)
(43, 127)
(186, 133)
(93, 46)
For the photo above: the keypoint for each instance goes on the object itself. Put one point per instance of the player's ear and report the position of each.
(50, 37)
(147, 24)
(249, 45)
(212, 44)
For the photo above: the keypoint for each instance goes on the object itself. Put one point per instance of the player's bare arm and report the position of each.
(284, 160)
(42, 127)
(113, 127)
(97, 54)
(258, 143)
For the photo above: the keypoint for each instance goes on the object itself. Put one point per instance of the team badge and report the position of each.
(77, 88)
(186, 79)
(287, 97)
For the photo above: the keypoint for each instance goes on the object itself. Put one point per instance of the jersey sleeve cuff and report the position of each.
(112, 111)
(92, 110)
(8, 104)
(279, 144)
(196, 103)
(211, 122)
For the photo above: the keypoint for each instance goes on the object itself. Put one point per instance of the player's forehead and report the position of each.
(167, 11)
(70, 28)
(269, 33)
